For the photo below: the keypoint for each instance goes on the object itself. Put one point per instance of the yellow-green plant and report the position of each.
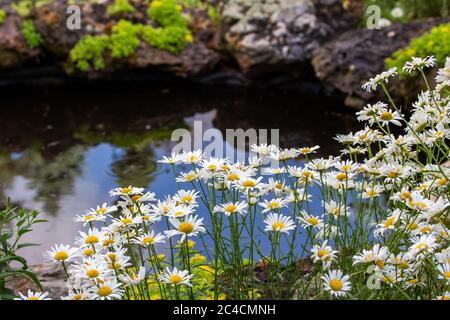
(89, 52)
(435, 42)
(124, 39)
(2, 16)
(23, 7)
(120, 6)
(31, 36)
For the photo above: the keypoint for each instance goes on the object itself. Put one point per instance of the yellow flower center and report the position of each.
(403, 265)
(422, 246)
(178, 213)
(386, 116)
(425, 230)
(405, 195)
(441, 182)
(88, 218)
(88, 252)
(189, 177)
(185, 227)
(336, 284)
(393, 174)
(389, 222)
(126, 220)
(125, 190)
(447, 275)
(147, 241)
(412, 226)
(175, 279)
(135, 198)
(371, 193)
(388, 279)
(248, 184)
(321, 253)
(380, 264)
(278, 186)
(108, 242)
(341, 176)
(114, 265)
(92, 273)
(91, 240)
(76, 297)
(233, 177)
(112, 256)
(61, 256)
(186, 199)
(346, 168)
(32, 298)
(306, 174)
(312, 220)
(230, 208)
(104, 291)
(277, 226)
(100, 211)
(273, 205)
(212, 167)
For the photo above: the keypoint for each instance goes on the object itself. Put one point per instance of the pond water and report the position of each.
(63, 148)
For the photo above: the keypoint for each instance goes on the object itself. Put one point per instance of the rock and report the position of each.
(196, 59)
(52, 279)
(50, 22)
(269, 34)
(343, 65)
(14, 51)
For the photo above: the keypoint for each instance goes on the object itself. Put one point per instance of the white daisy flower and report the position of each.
(232, 207)
(173, 159)
(191, 226)
(33, 296)
(323, 253)
(336, 283)
(418, 64)
(274, 204)
(60, 253)
(150, 238)
(107, 290)
(176, 277)
(279, 223)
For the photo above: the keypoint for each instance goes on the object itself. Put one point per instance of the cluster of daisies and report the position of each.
(372, 223)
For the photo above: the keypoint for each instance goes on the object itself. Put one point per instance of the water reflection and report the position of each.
(62, 149)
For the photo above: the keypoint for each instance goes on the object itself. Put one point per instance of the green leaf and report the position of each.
(29, 274)
(14, 258)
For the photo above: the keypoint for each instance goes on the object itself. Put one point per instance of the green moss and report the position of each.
(88, 52)
(23, 7)
(173, 34)
(32, 37)
(2, 16)
(436, 43)
(166, 13)
(120, 6)
(124, 39)
(172, 39)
